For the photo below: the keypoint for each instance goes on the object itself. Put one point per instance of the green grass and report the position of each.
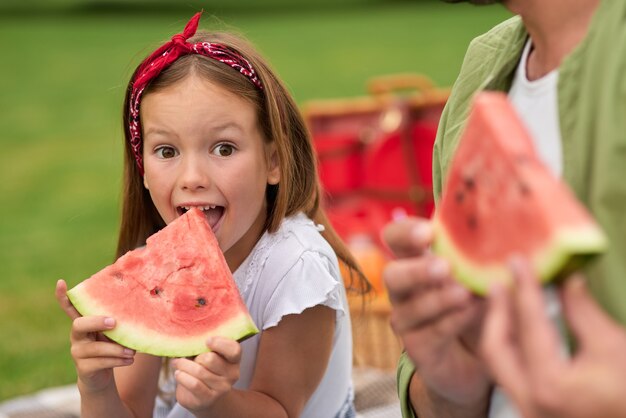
(62, 77)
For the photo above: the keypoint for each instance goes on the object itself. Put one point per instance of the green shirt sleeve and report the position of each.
(405, 371)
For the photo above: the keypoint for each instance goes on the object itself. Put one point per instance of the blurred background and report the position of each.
(64, 65)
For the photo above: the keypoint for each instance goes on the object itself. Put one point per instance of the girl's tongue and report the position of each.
(214, 215)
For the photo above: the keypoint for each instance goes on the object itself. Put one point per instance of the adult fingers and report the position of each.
(498, 346)
(64, 301)
(587, 320)
(428, 343)
(538, 338)
(500, 350)
(428, 307)
(405, 277)
(408, 237)
(441, 357)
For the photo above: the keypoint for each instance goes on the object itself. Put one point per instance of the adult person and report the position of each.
(563, 63)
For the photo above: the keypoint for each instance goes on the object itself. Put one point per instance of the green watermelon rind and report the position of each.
(566, 246)
(136, 337)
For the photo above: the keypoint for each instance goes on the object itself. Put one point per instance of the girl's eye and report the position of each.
(166, 152)
(224, 150)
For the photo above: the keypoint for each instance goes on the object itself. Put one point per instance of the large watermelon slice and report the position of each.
(499, 200)
(171, 295)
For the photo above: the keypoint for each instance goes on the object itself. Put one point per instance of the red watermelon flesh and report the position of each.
(171, 295)
(499, 199)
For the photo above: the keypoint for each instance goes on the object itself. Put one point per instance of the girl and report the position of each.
(209, 125)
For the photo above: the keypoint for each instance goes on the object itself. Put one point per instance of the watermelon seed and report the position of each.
(156, 291)
(469, 183)
(524, 189)
(472, 223)
(459, 196)
(201, 302)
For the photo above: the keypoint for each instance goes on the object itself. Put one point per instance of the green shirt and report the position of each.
(592, 116)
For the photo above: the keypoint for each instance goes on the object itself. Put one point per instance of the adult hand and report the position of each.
(438, 322)
(522, 349)
(94, 355)
(209, 376)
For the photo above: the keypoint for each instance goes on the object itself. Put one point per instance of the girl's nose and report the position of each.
(194, 174)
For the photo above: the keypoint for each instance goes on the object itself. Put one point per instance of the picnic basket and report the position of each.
(374, 161)
(375, 151)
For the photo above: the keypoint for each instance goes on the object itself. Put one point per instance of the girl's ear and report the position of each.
(145, 182)
(273, 168)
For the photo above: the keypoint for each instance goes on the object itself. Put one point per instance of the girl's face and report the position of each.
(203, 148)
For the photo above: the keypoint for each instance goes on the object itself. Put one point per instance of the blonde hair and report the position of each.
(279, 120)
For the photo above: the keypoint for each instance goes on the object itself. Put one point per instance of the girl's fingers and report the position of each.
(100, 349)
(64, 301)
(210, 368)
(228, 349)
(197, 371)
(195, 388)
(83, 326)
(222, 362)
(87, 367)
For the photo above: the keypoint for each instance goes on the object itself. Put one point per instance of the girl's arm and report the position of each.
(138, 384)
(102, 366)
(291, 362)
(130, 395)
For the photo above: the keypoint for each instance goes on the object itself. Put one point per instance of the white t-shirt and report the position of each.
(287, 272)
(536, 103)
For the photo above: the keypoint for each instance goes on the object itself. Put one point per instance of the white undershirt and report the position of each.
(537, 106)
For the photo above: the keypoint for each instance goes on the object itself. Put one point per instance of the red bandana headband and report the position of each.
(164, 57)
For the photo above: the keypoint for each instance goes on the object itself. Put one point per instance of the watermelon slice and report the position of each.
(171, 295)
(499, 200)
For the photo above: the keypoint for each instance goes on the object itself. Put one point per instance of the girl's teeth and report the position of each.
(204, 208)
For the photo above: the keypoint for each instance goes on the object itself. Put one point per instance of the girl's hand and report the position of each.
(94, 355)
(209, 376)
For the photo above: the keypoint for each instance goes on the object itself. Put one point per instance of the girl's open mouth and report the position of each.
(212, 213)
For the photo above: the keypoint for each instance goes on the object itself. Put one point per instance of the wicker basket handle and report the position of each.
(390, 84)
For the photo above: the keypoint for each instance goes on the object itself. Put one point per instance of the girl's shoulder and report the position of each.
(297, 242)
(300, 231)
(291, 270)
(297, 235)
